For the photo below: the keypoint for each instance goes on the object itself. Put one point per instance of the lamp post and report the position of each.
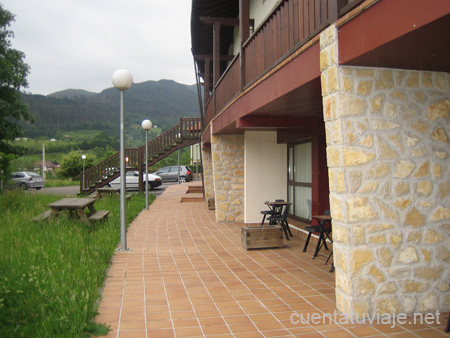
(178, 136)
(122, 80)
(146, 125)
(83, 157)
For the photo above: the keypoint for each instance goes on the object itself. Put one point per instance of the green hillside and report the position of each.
(163, 102)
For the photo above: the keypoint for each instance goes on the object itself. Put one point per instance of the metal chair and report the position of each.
(324, 233)
(268, 212)
(447, 328)
(281, 219)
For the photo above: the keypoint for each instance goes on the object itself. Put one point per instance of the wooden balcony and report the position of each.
(290, 25)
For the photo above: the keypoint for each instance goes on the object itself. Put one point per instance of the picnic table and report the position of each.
(77, 205)
(107, 190)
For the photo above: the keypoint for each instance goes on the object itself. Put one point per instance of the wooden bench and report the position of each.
(99, 215)
(107, 190)
(43, 216)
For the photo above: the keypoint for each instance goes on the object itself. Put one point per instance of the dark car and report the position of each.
(27, 179)
(170, 174)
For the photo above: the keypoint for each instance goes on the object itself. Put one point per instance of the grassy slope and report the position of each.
(51, 272)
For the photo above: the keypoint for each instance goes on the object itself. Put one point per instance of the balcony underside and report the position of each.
(413, 36)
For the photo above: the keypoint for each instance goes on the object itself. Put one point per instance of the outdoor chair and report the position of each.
(268, 212)
(447, 327)
(281, 219)
(324, 233)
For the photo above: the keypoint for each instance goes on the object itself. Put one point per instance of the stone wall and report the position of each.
(389, 174)
(208, 184)
(228, 175)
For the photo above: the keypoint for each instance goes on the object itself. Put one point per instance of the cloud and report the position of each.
(79, 44)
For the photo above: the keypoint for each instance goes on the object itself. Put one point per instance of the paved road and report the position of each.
(73, 190)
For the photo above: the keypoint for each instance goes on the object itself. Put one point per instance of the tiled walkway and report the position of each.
(186, 275)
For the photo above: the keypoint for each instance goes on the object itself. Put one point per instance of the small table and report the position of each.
(73, 204)
(276, 208)
(322, 219)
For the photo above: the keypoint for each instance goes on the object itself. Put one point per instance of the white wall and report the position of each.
(259, 10)
(265, 172)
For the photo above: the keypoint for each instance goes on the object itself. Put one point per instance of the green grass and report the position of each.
(60, 182)
(83, 133)
(51, 271)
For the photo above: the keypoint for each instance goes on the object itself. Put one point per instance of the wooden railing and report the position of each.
(229, 84)
(188, 128)
(186, 133)
(290, 25)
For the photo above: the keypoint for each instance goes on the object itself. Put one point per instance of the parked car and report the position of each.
(171, 173)
(110, 171)
(27, 179)
(132, 181)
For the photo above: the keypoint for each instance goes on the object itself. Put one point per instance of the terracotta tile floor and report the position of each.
(186, 275)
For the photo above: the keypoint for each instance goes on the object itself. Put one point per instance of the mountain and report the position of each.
(71, 93)
(163, 102)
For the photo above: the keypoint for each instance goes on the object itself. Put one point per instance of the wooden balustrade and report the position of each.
(290, 25)
(228, 85)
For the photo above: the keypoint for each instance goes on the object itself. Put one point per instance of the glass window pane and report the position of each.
(291, 199)
(302, 204)
(303, 163)
(291, 163)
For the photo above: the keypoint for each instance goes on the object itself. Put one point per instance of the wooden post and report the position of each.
(216, 52)
(207, 86)
(244, 26)
(141, 159)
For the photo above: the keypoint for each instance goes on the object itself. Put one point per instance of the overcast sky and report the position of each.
(79, 44)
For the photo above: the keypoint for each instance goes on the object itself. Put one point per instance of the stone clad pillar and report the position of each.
(207, 173)
(227, 153)
(388, 155)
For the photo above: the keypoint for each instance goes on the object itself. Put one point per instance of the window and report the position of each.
(300, 180)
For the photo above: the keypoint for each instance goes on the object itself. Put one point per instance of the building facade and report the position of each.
(340, 106)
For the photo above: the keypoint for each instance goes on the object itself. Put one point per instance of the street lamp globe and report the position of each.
(122, 80)
(83, 157)
(146, 124)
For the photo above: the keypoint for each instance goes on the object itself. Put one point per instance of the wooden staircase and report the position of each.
(184, 134)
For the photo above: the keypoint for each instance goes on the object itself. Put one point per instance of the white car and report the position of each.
(132, 181)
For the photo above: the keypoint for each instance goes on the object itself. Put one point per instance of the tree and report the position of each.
(72, 165)
(13, 76)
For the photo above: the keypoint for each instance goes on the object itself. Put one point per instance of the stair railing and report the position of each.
(188, 129)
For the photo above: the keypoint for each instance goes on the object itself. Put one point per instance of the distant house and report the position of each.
(48, 165)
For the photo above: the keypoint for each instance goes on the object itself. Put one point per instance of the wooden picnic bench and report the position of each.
(99, 215)
(107, 190)
(77, 205)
